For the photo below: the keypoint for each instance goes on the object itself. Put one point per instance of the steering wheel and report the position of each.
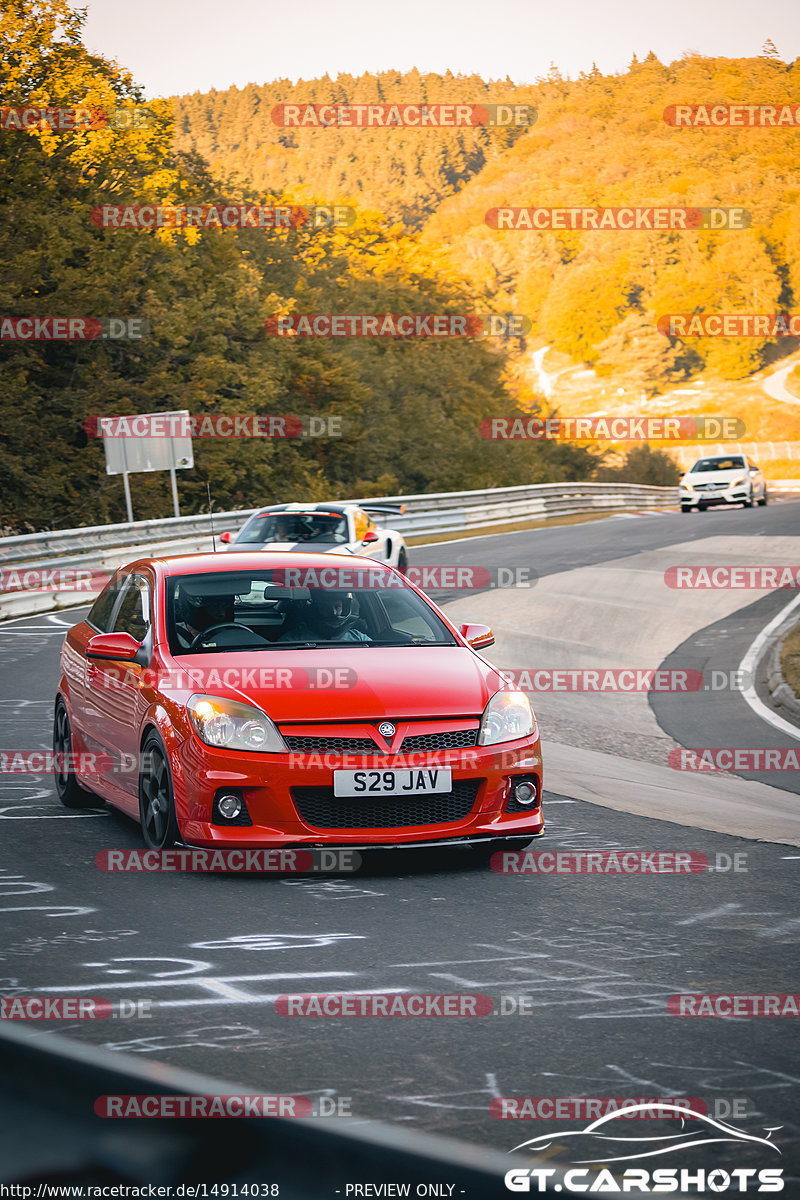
(204, 633)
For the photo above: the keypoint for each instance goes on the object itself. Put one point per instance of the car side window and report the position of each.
(101, 610)
(133, 616)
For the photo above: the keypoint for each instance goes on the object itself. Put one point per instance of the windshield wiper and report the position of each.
(291, 645)
(333, 644)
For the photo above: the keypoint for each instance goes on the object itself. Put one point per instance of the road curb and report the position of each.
(781, 694)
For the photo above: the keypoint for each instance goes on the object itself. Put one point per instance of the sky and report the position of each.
(178, 46)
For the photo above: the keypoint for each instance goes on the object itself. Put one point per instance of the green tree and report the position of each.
(642, 465)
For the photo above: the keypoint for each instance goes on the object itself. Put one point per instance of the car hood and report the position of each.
(375, 682)
(725, 477)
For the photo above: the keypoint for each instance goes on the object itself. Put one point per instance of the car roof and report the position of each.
(304, 508)
(714, 457)
(252, 560)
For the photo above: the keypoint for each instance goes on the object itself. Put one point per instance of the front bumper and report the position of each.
(484, 775)
(731, 495)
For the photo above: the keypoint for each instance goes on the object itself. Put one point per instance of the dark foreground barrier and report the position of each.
(50, 1135)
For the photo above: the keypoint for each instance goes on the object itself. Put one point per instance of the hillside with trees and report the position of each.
(412, 408)
(599, 140)
(404, 172)
(419, 244)
(602, 141)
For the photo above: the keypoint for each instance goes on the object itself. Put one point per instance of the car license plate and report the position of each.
(393, 783)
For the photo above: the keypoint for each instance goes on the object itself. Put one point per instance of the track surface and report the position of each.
(598, 955)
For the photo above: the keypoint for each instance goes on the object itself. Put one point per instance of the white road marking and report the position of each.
(747, 671)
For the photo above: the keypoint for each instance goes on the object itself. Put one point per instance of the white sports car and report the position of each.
(323, 528)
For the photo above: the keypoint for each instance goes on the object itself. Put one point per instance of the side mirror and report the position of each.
(478, 636)
(119, 646)
(225, 537)
(369, 537)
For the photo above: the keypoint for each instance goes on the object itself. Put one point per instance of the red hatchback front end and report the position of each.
(311, 703)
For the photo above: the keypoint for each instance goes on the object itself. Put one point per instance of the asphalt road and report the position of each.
(724, 718)
(596, 956)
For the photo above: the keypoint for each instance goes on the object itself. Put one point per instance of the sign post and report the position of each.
(128, 454)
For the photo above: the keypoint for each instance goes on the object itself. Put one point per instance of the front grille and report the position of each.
(320, 809)
(456, 739)
(332, 745)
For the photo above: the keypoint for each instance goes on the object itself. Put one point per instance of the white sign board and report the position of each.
(153, 452)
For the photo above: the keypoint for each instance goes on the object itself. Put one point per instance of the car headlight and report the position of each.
(507, 716)
(736, 482)
(232, 725)
(686, 487)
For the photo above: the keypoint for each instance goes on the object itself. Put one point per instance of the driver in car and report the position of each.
(283, 530)
(199, 613)
(328, 618)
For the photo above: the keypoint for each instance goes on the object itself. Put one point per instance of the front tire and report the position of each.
(156, 799)
(69, 791)
(402, 561)
(763, 501)
(686, 508)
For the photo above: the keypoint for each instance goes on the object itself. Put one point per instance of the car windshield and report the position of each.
(734, 463)
(294, 607)
(321, 528)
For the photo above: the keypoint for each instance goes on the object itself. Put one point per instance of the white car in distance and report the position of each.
(722, 479)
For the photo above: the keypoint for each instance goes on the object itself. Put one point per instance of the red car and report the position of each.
(292, 700)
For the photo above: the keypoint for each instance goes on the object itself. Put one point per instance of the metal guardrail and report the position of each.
(452, 507)
(103, 548)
